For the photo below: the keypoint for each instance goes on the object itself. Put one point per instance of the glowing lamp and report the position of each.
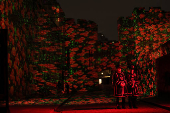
(100, 81)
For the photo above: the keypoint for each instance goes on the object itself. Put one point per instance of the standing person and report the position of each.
(132, 88)
(120, 87)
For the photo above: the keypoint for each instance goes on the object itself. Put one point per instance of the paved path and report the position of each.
(96, 108)
(143, 106)
(110, 108)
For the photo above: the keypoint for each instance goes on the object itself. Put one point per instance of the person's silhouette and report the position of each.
(120, 84)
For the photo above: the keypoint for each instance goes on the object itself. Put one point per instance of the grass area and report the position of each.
(77, 99)
(90, 98)
(51, 100)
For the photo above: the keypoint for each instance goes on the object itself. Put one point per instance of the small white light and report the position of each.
(102, 35)
(102, 73)
(112, 42)
(100, 81)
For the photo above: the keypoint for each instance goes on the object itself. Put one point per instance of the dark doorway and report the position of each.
(163, 75)
(4, 69)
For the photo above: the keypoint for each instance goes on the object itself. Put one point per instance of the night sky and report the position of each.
(106, 12)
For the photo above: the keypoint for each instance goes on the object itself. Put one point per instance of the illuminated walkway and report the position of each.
(96, 102)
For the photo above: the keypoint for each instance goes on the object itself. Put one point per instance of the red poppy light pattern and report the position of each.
(23, 59)
(151, 29)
